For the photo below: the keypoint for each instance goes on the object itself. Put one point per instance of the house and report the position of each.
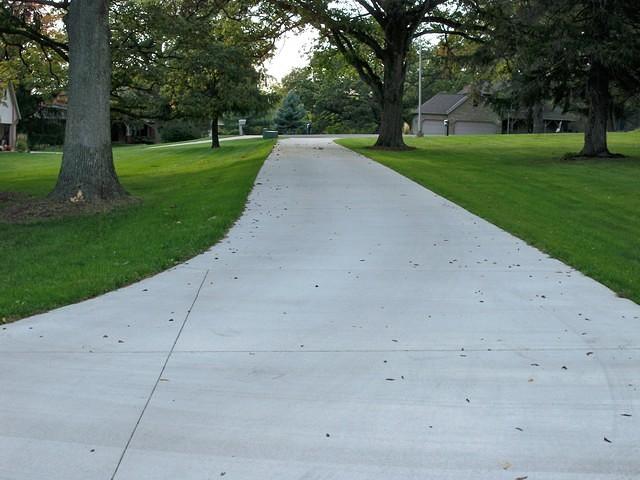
(9, 118)
(54, 110)
(469, 115)
(134, 131)
(465, 116)
(554, 120)
(123, 130)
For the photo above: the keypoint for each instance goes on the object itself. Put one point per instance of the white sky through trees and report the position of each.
(291, 52)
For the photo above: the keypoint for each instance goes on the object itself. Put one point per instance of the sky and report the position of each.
(291, 51)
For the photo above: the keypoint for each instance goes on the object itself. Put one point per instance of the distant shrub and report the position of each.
(177, 133)
(43, 133)
(22, 143)
(336, 128)
(254, 126)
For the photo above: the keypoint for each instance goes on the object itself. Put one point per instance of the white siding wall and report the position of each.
(6, 109)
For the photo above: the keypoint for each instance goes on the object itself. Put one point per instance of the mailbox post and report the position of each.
(241, 123)
(446, 127)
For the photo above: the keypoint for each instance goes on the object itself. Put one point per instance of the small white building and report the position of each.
(9, 118)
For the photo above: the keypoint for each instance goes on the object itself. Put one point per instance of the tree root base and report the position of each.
(16, 208)
(601, 156)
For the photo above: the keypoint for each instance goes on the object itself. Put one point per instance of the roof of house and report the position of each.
(442, 103)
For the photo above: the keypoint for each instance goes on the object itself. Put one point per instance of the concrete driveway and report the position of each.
(352, 326)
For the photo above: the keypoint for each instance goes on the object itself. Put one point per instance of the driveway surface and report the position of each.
(353, 325)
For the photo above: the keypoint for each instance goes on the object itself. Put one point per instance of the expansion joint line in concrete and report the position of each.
(155, 385)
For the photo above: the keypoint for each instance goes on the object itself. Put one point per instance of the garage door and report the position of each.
(432, 127)
(475, 128)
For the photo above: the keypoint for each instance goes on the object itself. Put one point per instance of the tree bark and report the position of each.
(391, 119)
(598, 99)
(538, 118)
(215, 134)
(87, 172)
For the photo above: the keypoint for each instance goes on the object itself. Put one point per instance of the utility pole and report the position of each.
(419, 133)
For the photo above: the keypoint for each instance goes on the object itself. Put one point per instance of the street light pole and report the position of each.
(419, 133)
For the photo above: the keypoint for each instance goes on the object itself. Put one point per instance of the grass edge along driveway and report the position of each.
(585, 213)
(191, 196)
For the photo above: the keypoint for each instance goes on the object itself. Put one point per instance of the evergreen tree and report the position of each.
(291, 115)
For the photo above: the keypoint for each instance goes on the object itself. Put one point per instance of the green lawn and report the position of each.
(586, 213)
(191, 196)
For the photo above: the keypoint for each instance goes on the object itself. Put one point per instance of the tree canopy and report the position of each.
(582, 53)
(198, 62)
(338, 101)
(376, 37)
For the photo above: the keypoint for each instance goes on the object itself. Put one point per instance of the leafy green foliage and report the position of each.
(208, 83)
(338, 101)
(37, 72)
(187, 59)
(25, 24)
(22, 143)
(178, 131)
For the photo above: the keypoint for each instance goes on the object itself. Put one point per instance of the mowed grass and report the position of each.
(190, 195)
(586, 213)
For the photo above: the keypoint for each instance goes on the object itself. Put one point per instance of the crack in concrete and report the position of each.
(155, 385)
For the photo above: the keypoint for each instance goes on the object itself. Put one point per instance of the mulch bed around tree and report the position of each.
(392, 149)
(605, 156)
(19, 208)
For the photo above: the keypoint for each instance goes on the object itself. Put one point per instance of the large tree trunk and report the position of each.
(215, 134)
(87, 172)
(391, 120)
(538, 118)
(595, 134)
